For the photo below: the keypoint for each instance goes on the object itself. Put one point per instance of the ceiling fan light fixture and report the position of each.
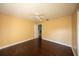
(37, 17)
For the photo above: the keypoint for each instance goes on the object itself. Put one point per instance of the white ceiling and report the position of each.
(49, 10)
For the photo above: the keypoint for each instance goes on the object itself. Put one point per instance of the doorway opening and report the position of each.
(38, 34)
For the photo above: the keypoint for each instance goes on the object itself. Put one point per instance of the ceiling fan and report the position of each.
(40, 17)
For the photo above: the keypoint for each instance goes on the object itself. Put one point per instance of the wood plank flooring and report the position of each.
(32, 48)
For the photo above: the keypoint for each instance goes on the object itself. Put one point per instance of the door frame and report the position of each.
(36, 31)
(78, 33)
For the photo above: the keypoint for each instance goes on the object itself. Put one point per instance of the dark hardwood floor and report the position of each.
(32, 48)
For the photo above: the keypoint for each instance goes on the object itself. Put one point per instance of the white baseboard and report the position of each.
(15, 43)
(61, 44)
(31, 39)
(57, 42)
(74, 52)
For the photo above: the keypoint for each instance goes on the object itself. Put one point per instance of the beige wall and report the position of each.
(74, 33)
(62, 30)
(13, 30)
(58, 30)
